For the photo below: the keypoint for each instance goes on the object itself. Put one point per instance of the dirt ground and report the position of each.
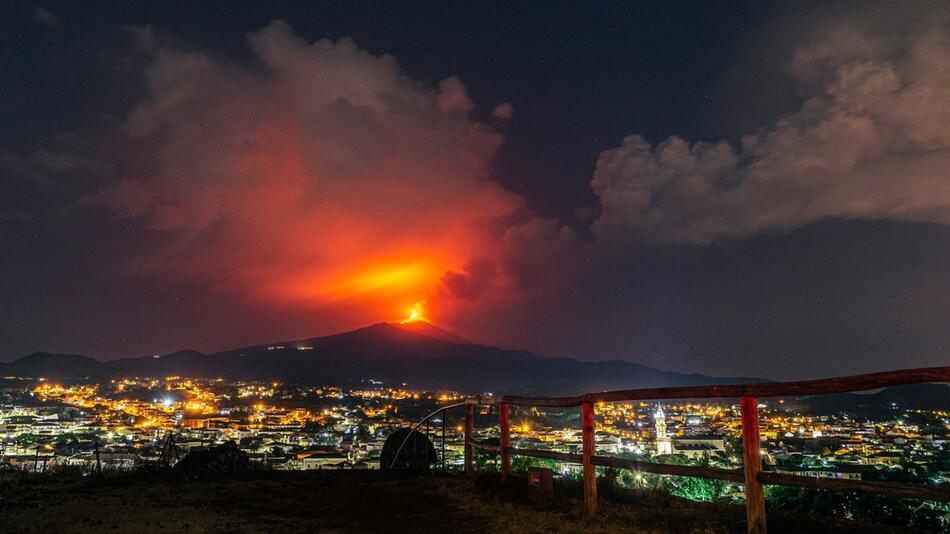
(349, 501)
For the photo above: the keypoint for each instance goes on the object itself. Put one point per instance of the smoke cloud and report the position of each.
(870, 141)
(322, 173)
(322, 176)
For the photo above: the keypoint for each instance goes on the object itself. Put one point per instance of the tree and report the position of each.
(26, 438)
(65, 442)
(697, 489)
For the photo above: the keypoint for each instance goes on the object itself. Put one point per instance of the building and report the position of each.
(320, 460)
(664, 444)
(699, 446)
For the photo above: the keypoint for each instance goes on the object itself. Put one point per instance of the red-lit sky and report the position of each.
(320, 175)
(274, 177)
(323, 181)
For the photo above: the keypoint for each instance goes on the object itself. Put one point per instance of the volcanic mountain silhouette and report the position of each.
(418, 354)
(428, 329)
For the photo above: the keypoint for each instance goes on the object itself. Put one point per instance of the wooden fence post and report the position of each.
(95, 443)
(505, 425)
(752, 463)
(590, 472)
(469, 465)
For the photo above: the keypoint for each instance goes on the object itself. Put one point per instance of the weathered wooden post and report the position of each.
(95, 443)
(752, 462)
(505, 425)
(590, 472)
(443, 440)
(469, 465)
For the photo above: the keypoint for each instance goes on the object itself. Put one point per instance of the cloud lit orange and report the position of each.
(325, 177)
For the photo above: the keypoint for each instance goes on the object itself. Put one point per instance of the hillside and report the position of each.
(893, 400)
(358, 502)
(426, 328)
(422, 356)
(40, 364)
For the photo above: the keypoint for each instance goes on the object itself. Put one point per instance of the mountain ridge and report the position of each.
(893, 400)
(421, 357)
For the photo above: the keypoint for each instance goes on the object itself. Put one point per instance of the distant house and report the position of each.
(886, 458)
(694, 451)
(306, 461)
(695, 447)
(609, 444)
(843, 472)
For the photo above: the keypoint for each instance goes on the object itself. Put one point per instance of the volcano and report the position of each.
(425, 328)
(416, 353)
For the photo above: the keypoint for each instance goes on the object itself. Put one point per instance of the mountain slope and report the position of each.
(889, 401)
(395, 355)
(428, 329)
(46, 364)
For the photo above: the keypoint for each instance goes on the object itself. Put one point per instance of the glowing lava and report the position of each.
(415, 315)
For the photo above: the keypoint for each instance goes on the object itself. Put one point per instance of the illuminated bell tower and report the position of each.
(664, 444)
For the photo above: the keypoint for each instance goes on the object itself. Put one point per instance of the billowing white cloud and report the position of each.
(871, 141)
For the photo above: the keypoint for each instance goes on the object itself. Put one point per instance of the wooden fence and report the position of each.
(752, 475)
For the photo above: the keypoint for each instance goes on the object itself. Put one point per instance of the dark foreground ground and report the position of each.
(350, 501)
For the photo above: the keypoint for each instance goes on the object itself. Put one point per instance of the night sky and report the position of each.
(719, 187)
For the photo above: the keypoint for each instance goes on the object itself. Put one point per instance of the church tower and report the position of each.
(664, 444)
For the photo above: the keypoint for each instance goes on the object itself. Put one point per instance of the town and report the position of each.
(125, 423)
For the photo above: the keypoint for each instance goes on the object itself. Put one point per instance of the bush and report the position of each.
(226, 458)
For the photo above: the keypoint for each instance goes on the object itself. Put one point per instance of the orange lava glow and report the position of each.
(385, 278)
(306, 192)
(370, 290)
(415, 314)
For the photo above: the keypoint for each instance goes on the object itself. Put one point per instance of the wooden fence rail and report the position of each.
(751, 475)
